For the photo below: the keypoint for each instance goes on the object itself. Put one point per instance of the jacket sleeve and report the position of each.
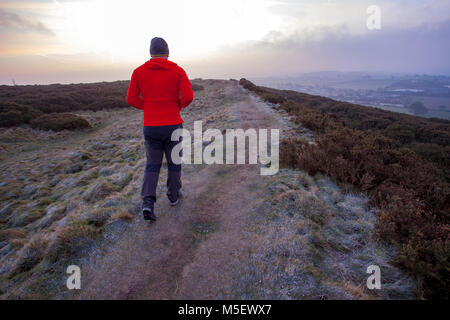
(133, 95)
(186, 95)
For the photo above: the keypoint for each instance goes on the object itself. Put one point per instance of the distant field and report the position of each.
(438, 114)
(429, 114)
(360, 84)
(377, 90)
(435, 102)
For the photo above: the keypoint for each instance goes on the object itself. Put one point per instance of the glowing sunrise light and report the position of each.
(192, 28)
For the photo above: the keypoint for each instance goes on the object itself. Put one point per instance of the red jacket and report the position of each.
(161, 88)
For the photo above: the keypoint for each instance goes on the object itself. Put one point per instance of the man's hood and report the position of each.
(161, 64)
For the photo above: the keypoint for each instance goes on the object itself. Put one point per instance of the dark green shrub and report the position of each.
(30, 113)
(59, 121)
(107, 103)
(10, 118)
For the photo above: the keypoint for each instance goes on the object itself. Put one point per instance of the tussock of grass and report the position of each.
(29, 256)
(25, 217)
(98, 217)
(18, 243)
(71, 239)
(8, 234)
(100, 190)
(15, 237)
(123, 215)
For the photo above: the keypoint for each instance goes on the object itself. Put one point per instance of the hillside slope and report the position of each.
(236, 234)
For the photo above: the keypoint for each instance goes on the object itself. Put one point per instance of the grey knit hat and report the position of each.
(159, 47)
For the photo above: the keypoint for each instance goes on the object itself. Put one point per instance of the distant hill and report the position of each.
(393, 92)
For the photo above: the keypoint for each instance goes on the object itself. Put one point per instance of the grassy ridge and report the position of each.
(22, 104)
(25, 104)
(400, 161)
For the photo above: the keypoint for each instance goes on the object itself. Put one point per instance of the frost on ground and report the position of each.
(317, 244)
(73, 198)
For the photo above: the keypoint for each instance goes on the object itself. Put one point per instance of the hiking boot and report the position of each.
(172, 201)
(148, 214)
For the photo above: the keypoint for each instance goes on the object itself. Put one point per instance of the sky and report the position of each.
(72, 41)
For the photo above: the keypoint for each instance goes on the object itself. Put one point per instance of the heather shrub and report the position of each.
(32, 101)
(9, 106)
(59, 121)
(107, 103)
(272, 98)
(309, 118)
(10, 118)
(439, 155)
(27, 113)
(248, 85)
(401, 132)
(414, 201)
(429, 260)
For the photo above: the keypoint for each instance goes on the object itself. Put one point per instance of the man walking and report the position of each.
(161, 88)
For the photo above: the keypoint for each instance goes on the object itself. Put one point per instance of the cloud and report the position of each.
(423, 49)
(13, 21)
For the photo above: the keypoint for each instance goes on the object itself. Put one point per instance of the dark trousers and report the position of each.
(157, 143)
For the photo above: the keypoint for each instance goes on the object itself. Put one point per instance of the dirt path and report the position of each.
(196, 249)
